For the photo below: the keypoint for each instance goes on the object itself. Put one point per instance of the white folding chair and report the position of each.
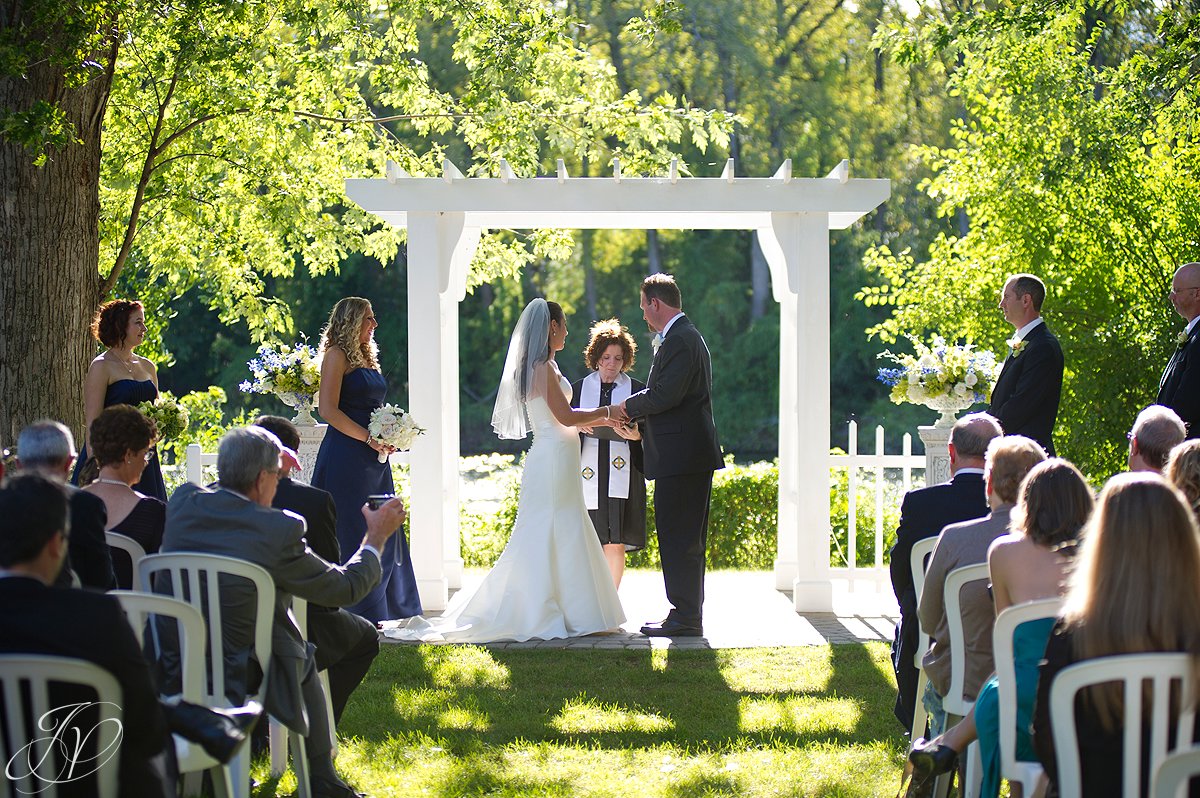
(132, 549)
(279, 733)
(1029, 774)
(954, 702)
(1162, 671)
(1177, 769)
(921, 551)
(27, 748)
(195, 578)
(140, 607)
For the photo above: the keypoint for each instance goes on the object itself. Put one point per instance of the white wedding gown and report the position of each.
(552, 580)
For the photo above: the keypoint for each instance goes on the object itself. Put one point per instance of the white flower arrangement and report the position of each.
(285, 370)
(391, 426)
(168, 415)
(939, 372)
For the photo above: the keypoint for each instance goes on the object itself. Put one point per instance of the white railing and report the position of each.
(879, 462)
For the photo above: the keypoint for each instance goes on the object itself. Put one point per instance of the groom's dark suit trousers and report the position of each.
(681, 515)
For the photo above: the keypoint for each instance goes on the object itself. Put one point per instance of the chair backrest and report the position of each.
(28, 756)
(918, 559)
(139, 607)
(954, 701)
(132, 549)
(1171, 778)
(195, 578)
(1131, 671)
(1006, 626)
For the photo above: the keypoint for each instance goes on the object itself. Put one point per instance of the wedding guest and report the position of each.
(1133, 591)
(1028, 564)
(122, 443)
(1179, 388)
(1027, 392)
(1007, 460)
(614, 487)
(48, 448)
(1155, 433)
(119, 376)
(237, 520)
(1183, 471)
(923, 514)
(348, 465)
(346, 643)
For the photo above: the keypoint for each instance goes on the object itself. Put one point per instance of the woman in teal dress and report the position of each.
(119, 377)
(348, 461)
(1028, 564)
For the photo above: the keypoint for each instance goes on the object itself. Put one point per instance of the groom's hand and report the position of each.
(618, 412)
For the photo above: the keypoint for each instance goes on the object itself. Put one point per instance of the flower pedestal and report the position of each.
(311, 436)
(303, 404)
(937, 453)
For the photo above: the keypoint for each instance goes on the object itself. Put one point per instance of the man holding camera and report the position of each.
(237, 520)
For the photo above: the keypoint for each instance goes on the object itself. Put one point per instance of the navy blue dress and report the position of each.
(132, 392)
(350, 470)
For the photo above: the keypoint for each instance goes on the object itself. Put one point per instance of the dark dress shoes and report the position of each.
(932, 759)
(671, 628)
(220, 732)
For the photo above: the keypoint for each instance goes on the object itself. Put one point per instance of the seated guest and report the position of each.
(1183, 471)
(237, 520)
(1028, 564)
(1155, 433)
(346, 643)
(1007, 461)
(47, 448)
(1133, 591)
(122, 441)
(923, 514)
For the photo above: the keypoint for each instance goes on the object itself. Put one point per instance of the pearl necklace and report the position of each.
(107, 481)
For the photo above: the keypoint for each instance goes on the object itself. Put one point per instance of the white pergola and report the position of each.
(792, 216)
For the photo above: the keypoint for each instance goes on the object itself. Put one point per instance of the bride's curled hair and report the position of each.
(344, 329)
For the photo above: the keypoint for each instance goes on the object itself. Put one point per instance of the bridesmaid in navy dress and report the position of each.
(348, 462)
(120, 377)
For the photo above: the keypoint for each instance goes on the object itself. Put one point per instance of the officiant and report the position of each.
(614, 488)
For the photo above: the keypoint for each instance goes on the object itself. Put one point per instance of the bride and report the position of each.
(552, 580)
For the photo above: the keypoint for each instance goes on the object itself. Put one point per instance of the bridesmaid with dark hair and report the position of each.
(117, 376)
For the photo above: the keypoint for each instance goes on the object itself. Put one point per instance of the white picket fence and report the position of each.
(878, 464)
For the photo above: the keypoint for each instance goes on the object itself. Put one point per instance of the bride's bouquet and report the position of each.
(941, 375)
(168, 415)
(391, 426)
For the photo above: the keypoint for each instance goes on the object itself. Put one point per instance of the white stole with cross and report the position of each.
(618, 451)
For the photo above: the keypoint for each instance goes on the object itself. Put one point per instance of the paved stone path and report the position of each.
(742, 610)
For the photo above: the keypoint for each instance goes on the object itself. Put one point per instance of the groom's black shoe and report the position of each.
(671, 628)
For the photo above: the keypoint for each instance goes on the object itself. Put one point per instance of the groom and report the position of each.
(681, 451)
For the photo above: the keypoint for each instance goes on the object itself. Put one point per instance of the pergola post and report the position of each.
(440, 248)
(796, 246)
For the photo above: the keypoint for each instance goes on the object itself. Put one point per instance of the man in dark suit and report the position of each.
(346, 643)
(1179, 388)
(237, 520)
(1025, 399)
(681, 451)
(40, 619)
(48, 448)
(923, 514)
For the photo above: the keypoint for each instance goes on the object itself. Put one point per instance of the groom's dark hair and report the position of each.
(1029, 284)
(662, 287)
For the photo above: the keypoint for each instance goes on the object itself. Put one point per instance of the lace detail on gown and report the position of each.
(552, 580)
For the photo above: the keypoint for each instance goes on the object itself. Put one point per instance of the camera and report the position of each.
(377, 500)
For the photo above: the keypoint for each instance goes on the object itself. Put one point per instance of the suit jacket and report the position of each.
(1179, 388)
(221, 522)
(959, 545)
(88, 555)
(334, 631)
(90, 626)
(679, 435)
(923, 514)
(1029, 387)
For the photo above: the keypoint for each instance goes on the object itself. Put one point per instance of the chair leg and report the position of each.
(300, 766)
(324, 676)
(973, 779)
(239, 770)
(279, 747)
(920, 716)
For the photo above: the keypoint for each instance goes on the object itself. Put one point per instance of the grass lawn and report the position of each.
(465, 721)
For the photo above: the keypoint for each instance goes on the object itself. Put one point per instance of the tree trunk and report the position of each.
(49, 258)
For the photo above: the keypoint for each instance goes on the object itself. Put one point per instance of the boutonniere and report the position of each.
(1181, 339)
(1017, 346)
(656, 342)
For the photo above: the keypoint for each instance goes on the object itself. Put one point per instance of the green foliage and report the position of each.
(1066, 169)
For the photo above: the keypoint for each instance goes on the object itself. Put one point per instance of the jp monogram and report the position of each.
(62, 755)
